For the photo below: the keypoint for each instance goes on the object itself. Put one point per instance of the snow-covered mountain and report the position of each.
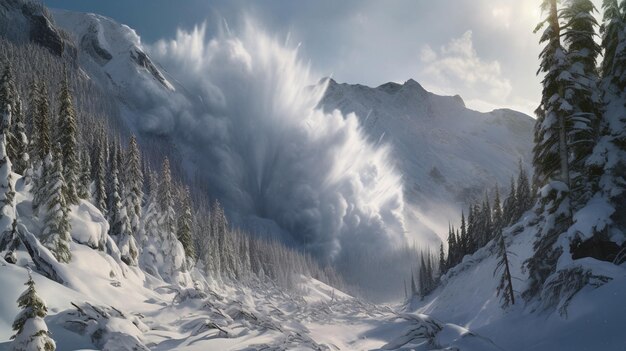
(448, 154)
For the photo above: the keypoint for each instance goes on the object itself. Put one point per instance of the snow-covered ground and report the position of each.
(593, 320)
(136, 311)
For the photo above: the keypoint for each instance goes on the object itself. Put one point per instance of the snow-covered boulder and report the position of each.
(89, 227)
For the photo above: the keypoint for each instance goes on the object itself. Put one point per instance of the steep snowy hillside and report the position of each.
(592, 319)
(448, 154)
(112, 55)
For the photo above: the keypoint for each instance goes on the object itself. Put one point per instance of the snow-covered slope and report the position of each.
(448, 154)
(592, 320)
(112, 55)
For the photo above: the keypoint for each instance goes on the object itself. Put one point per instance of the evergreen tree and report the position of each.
(31, 332)
(66, 137)
(172, 248)
(497, 213)
(13, 127)
(41, 123)
(56, 232)
(19, 141)
(609, 158)
(8, 91)
(184, 227)
(452, 248)
(612, 31)
(7, 197)
(487, 228)
(583, 119)
(134, 184)
(550, 159)
(505, 285)
(442, 260)
(523, 195)
(463, 238)
(119, 222)
(84, 179)
(509, 209)
(99, 173)
(166, 199)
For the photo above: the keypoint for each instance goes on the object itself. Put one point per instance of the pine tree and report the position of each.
(523, 195)
(505, 285)
(56, 232)
(584, 118)
(184, 227)
(14, 126)
(134, 184)
(550, 159)
(487, 228)
(66, 137)
(41, 123)
(19, 141)
(442, 261)
(452, 248)
(99, 173)
(119, 222)
(8, 92)
(31, 332)
(463, 238)
(84, 179)
(509, 209)
(7, 197)
(497, 213)
(166, 199)
(173, 249)
(609, 158)
(612, 31)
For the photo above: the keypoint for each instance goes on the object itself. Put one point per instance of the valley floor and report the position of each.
(109, 312)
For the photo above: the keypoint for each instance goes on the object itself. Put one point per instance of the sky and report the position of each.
(483, 50)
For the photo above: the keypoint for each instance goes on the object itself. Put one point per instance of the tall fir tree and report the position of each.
(31, 331)
(523, 195)
(84, 178)
(66, 137)
(166, 198)
(463, 238)
(19, 141)
(16, 142)
(41, 124)
(134, 185)
(7, 197)
(497, 213)
(442, 260)
(505, 283)
(579, 32)
(184, 227)
(610, 152)
(119, 223)
(56, 231)
(99, 173)
(509, 207)
(551, 155)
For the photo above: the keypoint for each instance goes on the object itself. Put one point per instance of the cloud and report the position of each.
(251, 128)
(457, 66)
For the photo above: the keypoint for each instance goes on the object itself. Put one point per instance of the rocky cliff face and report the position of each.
(24, 21)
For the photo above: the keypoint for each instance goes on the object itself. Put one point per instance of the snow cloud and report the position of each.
(458, 65)
(251, 128)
